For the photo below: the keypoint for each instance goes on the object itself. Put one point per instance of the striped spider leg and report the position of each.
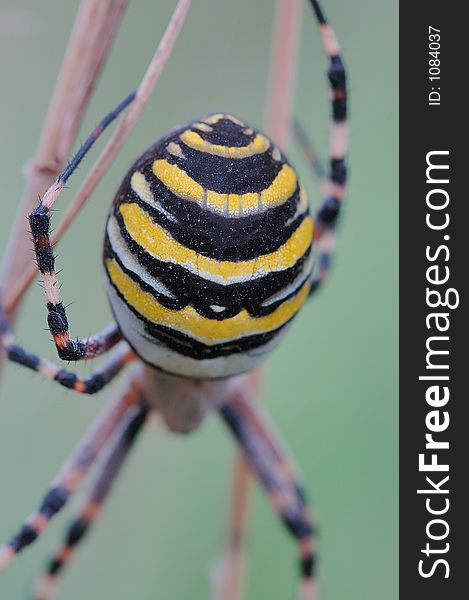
(92, 384)
(129, 427)
(276, 474)
(68, 349)
(73, 472)
(39, 219)
(326, 217)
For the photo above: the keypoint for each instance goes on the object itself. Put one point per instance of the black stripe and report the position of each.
(66, 378)
(219, 237)
(329, 211)
(55, 566)
(337, 78)
(57, 318)
(54, 501)
(26, 536)
(191, 289)
(171, 303)
(227, 175)
(187, 346)
(338, 171)
(77, 530)
(39, 221)
(226, 133)
(307, 566)
(18, 355)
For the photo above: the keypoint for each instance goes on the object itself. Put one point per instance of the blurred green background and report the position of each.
(331, 387)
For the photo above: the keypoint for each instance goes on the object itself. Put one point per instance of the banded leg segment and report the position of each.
(73, 471)
(92, 384)
(276, 475)
(122, 443)
(327, 215)
(39, 220)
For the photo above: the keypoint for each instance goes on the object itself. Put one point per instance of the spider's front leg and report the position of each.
(67, 349)
(276, 474)
(92, 384)
(40, 223)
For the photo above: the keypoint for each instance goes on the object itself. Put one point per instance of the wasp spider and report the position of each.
(207, 259)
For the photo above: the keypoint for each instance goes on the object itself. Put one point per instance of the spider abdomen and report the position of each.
(208, 249)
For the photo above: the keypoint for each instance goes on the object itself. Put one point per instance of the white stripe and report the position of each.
(301, 207)
(125, 255)
(141, 187)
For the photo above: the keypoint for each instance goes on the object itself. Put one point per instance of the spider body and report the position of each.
(208, 249)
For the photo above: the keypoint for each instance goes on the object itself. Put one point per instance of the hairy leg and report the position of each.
(73, 471)
(277, 476)
(121, 444)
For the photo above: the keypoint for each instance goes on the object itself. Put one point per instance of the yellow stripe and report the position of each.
(213, 119)
(257, 146)
(155, 240)
(190, 322)
(179, 182)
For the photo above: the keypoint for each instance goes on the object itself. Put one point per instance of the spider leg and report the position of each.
(121, 357)
(121, 444)
(310, 153)
(277, 476)
(327, 216)
(73, 471)
(39, 220)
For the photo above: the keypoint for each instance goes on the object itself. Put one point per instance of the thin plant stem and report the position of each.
(113, 147)
(93, 32)
(283, 65)
(90, 41)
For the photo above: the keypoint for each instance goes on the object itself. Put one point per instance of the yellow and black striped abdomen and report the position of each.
(208, 249)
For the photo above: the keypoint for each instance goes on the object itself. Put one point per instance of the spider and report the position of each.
(208, 257)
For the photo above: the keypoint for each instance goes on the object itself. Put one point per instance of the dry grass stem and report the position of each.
(93, 32)
(91, 38)
(113, 147)
(283, 64)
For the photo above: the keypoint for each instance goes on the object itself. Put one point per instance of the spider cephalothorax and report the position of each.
(208, 249)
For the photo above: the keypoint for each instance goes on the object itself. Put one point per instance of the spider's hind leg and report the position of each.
(122, 443)
(74, 470)
(277, 476)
